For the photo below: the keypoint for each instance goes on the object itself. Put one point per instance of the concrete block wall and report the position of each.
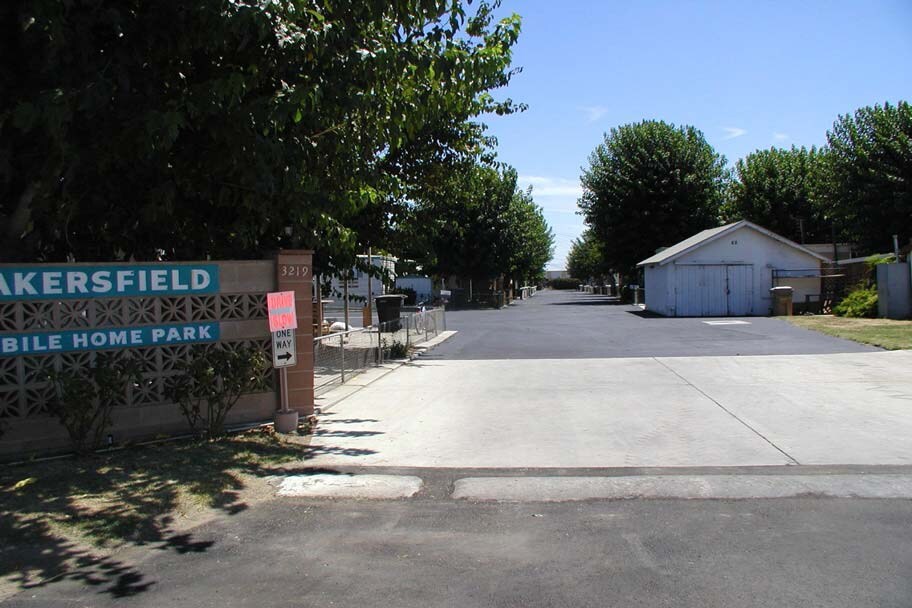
(240, 310)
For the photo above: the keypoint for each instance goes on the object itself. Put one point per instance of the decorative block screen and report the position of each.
(25, 389)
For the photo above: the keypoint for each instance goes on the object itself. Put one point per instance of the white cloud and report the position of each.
(551, 186)
(781, 136)
(593, 113)
(733, 132)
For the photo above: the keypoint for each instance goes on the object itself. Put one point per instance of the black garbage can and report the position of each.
(388, 310)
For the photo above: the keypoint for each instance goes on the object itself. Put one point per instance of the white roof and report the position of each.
(701, 238)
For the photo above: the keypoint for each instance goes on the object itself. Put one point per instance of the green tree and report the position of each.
(870, 175)
(584, 260)
(528, 240)
(648, 185)
(476, 224)
(183, 130)
(779, 190)
(468, 225)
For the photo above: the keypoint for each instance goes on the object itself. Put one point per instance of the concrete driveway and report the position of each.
(528, 409)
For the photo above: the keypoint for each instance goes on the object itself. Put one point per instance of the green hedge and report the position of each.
(861, 302)
(564, 283)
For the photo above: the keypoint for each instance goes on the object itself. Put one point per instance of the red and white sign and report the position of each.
(281, 307)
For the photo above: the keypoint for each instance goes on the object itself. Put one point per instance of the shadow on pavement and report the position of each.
(648, 314)
(603, 301)
(62, 519)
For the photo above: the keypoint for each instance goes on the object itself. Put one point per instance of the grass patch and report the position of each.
(885, 333)
(67, 517)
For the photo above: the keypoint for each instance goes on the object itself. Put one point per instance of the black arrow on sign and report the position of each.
(285, 356)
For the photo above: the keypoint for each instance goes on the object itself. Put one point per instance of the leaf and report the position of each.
(22, 483)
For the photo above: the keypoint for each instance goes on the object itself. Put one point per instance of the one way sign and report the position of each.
(283, 348)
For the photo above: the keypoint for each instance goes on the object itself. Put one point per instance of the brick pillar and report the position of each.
(294, 272)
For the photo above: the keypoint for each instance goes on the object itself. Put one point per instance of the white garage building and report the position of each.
(728, 271)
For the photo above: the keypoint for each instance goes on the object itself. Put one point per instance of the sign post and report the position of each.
(283, 321)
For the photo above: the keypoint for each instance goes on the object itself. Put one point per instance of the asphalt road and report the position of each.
(423, 553)
(572, 325)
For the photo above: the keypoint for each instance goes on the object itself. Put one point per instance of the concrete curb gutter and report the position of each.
(564, 489)
(382, 487)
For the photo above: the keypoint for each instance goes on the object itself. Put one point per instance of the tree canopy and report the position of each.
(477, 224)
(228, 128)
(584, 260)
(647, 185)
(780, 190)
(869, 174)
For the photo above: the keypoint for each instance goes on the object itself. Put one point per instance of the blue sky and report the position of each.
(748, 74)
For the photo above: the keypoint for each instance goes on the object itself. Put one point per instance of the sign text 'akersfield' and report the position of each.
(108, 281)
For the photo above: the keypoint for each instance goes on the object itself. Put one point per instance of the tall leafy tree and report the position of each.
(469, 224)
(648, 185)
(228, 128)
(780, 190)
(870, 175)
(476, 224)
(529, 240)
(584, 260)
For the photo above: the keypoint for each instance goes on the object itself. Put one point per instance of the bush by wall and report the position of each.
(862, 302)
(569, 283)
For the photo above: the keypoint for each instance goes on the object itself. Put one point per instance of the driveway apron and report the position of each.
(567, 380)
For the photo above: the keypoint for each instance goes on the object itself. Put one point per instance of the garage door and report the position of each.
(714, 290)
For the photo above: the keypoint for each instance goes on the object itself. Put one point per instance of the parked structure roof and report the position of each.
(701, 238)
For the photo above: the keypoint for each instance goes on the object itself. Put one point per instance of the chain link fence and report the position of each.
(340, 356)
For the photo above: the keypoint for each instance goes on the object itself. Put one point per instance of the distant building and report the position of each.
(423, 286)
(842, 251)
(556, 274)
(357, 284)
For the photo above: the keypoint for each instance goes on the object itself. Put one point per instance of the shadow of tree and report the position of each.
(344, 433)
(61, 519)
(602, 301)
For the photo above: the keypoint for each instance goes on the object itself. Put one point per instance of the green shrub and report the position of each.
(83, 399)
(861, 302)
(876, 260)
(397, 350)
(565, 283)
(212, 381)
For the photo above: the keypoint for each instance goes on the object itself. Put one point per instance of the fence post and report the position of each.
(342, 355)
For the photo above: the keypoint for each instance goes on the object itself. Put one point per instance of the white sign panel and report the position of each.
(283, 348)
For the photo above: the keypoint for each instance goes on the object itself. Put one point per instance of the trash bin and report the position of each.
(389, 308)
(782, 301)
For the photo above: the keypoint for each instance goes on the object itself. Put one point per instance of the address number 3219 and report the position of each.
(294, 271)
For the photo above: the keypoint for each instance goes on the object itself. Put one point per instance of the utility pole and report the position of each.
(370, 294)
(347, 278)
